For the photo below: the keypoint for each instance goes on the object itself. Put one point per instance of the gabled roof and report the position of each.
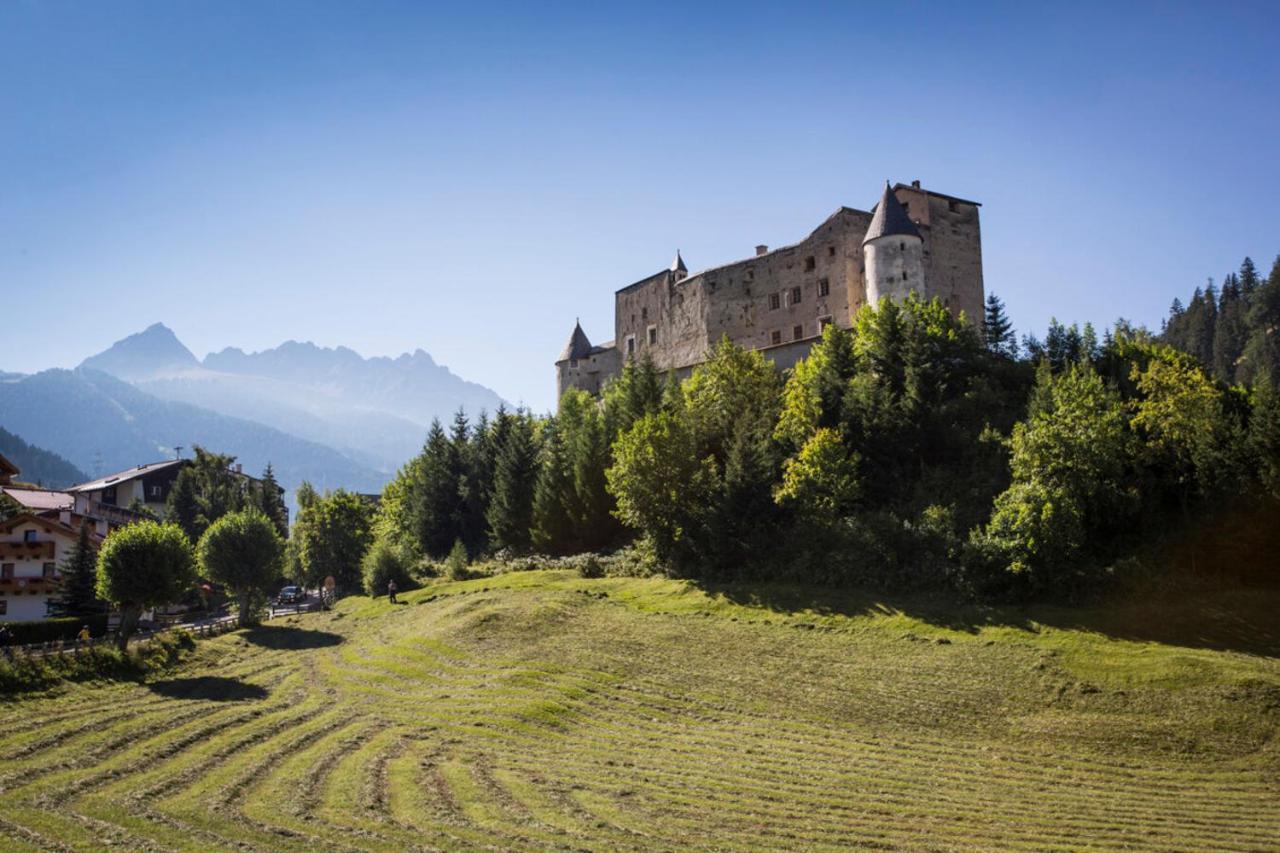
(890, 219)
(578, 346)
(125, 476)
(50, 525)
(39, 500)
(7, 467)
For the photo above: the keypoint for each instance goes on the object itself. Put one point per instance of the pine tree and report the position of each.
(1000, 336)
(182, 507)
(553, 528)
(434, 496)
(270, 502)
(1264, 435)
(510, 514)
(77, 595)
(1230, 334)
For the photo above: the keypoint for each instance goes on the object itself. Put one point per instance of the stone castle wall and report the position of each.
(675, 320)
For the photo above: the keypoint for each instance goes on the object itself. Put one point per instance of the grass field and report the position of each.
(539, 709)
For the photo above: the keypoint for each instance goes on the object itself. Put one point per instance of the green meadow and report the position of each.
(543, 710)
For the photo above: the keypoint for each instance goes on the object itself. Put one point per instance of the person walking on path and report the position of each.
(391, 591)
(83, 636)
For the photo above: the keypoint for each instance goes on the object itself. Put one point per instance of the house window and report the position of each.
(824, 287)
(28, 536)
(795, 296)
(109, 496)
(775, 301)
(49, 569)
(775, 337)
(808, 264)
(155, 491)
(631, 344)
(6, 571)
(823, 322)
(797, 333)
(4, 607)
(653, 335)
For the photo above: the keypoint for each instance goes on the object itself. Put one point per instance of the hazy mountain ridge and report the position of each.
(154, 351)
(103, 424)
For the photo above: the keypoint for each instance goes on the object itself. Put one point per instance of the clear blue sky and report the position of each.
(390, 176)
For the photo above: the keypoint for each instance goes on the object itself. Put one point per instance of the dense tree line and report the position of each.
(912, 450)
(1231, 330)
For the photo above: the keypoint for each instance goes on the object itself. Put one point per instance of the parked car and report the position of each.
(291, 595)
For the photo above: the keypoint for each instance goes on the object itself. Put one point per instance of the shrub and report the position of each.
(53, 630)
(456, 565)
(591, 567)
(386, 562)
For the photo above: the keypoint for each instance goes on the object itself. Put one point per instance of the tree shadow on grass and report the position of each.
(280, 637)
(1239, 619)
(208, 687)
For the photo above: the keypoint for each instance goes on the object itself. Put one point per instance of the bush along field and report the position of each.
(544, 709)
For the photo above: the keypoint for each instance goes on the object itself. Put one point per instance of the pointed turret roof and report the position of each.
(678, 264)
(578, 346)
(890, 218)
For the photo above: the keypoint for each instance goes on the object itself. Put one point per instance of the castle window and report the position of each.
(797, 333)
(824, 287)
(631, 344)
(952, 206)
(573, 364)
(775, 337)
(644, 313)
(808, 264)
(823, 322)
(775, 301)
(904, 275)
(653, 335)
(831, 251)
(795, 296)
(902, 247)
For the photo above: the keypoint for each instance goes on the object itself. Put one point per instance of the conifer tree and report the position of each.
(1264, 435)
(510, 513)
(1000, 336)
(77, 595)
(553, 528)
(270, 502)
(182, 507)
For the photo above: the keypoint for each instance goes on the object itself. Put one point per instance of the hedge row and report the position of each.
(52, 630)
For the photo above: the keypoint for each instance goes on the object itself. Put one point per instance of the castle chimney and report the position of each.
(762, 249)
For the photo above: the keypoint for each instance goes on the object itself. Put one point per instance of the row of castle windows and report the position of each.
(794, 295)
(797, 331)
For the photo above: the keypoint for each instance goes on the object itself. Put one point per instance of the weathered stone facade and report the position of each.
(778, 301)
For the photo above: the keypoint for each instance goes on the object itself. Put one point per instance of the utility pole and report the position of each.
(178, 451)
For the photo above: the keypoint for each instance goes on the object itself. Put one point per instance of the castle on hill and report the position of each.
(779, 301)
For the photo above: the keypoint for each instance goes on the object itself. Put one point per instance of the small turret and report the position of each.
(578, 346)
(678, 269)
(893, 252)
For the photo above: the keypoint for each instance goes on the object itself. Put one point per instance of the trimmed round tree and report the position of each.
(243, 551)
(143, 566)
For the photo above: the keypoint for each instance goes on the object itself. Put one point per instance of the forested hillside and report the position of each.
(38, 465)
(908, 452)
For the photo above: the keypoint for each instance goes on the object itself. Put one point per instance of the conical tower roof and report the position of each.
(890, 218)
(678, 264)
(578, 346)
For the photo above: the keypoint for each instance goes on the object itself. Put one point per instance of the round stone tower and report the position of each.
(892, 252)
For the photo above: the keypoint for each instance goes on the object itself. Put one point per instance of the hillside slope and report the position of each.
(38, 465)
(540, 709)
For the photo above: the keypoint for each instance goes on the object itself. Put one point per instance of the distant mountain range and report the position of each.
(324, 415)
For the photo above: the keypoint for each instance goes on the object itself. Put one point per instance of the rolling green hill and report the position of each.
(539, 709)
